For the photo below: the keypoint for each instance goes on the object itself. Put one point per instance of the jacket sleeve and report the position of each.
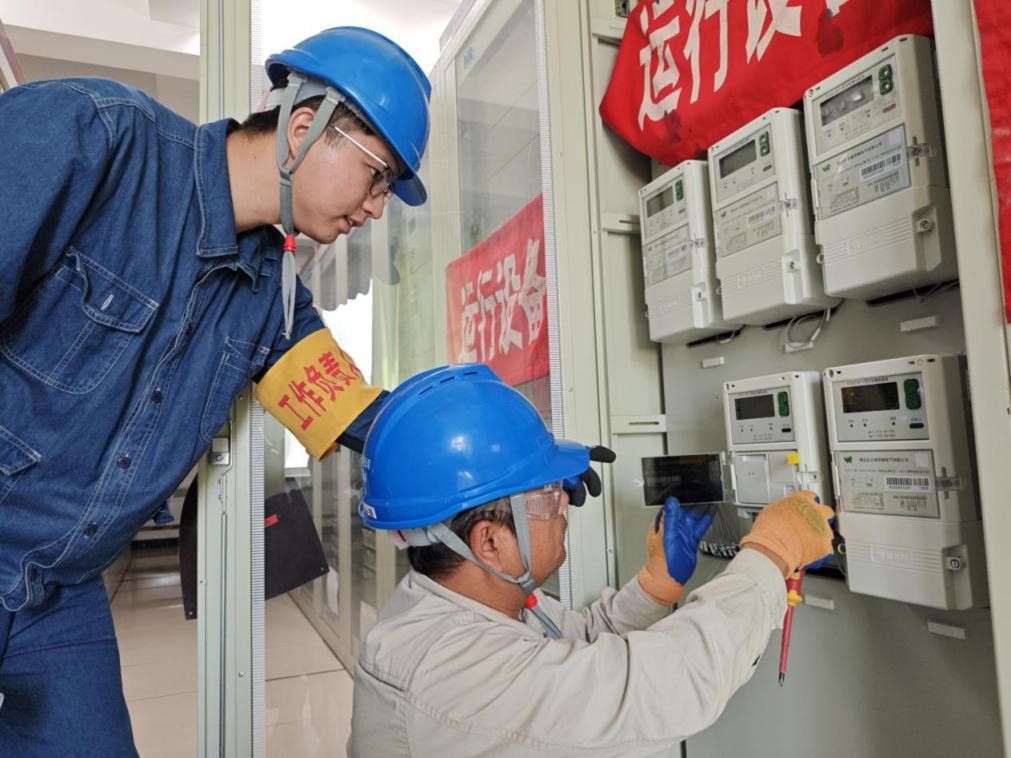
(625, 695)
(616, 612)
(57, 148)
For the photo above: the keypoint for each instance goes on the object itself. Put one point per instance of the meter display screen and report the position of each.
(850, 99)
(738, 159)
(757, 406)
(660, 201)
(865, 398)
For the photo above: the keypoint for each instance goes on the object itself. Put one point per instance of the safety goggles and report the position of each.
(382, 181)
(544, 503)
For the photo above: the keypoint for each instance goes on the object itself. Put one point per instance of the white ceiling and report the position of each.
(415, 25)
(162, 37)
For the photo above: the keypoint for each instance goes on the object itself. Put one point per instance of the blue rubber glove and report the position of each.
(683, 529)
(821, 563)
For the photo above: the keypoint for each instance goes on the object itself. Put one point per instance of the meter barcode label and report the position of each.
(864, 173)
(908, 483)
(880, 166)
(763, 215)
(749, 221)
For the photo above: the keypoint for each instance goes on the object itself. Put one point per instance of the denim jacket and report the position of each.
(131, 314)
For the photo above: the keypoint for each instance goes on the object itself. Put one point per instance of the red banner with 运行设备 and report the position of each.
(690, 72)
(496, 300)
(995, 52)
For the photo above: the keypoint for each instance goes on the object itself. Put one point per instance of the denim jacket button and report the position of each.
(90, 529)
(124, 462)
(156, 396)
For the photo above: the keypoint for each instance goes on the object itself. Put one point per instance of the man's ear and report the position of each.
(298, 128)
(489, 543)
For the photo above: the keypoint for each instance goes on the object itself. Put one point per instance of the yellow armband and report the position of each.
(316, 391)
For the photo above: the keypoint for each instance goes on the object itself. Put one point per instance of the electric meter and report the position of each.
(766, 257)
(880, 187)
(678, 256)
(903, 470)
(776, 437)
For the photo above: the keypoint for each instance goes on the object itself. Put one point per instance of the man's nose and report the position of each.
(374, 206)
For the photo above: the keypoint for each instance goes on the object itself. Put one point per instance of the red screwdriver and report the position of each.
(793, 598)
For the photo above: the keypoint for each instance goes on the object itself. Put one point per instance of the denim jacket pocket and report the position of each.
(239, 362)
(15, 457)
(75, 325)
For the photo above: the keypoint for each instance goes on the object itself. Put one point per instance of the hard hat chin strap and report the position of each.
(442, 533)
(319, 123)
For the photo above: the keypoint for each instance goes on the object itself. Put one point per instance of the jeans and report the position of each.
(60, 678)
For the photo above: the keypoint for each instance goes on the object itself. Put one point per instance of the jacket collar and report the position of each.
(426, 585)
(218, 239)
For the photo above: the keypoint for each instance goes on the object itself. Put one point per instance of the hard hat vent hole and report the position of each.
(470, 373)
(429, 388)
(447, 379)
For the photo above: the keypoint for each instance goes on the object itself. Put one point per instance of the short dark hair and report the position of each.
(438, 560)
(265, 122)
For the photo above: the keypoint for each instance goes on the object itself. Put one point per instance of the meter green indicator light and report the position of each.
(783, 399)
(914, 401)
(885, 83)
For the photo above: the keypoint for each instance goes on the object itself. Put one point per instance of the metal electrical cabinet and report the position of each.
(905, 679)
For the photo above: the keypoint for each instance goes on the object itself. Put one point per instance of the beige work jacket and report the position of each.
(442, 675)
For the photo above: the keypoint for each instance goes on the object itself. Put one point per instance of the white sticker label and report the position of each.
(907, 483)
(679, 254)
(867, 172)
(668, 257)
(752, 219)
(895, 482)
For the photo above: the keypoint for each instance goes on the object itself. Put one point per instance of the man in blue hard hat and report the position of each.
(144, 284)
(468, 659)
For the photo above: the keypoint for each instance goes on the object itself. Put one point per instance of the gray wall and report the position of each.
(181, 95)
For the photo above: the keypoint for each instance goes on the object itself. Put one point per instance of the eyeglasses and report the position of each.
(544, 503)
(382, 181)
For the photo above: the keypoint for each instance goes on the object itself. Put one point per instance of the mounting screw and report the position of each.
(954, 564)
(925, 225)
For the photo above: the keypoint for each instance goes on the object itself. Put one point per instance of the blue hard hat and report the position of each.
(381, 80)
(453, 438)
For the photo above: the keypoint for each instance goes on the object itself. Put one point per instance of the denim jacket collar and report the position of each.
(218, 238)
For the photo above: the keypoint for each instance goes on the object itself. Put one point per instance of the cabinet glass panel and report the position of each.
(498, 284)
(497, 289)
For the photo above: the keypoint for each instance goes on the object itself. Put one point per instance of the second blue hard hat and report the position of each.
(453, 438)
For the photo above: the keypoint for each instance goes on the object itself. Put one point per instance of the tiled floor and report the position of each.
(308, 691)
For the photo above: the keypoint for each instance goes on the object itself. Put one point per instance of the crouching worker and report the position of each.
(468, 659)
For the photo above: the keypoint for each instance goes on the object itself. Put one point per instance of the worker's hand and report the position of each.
(795, 529)
(672, 545)
(577, 486)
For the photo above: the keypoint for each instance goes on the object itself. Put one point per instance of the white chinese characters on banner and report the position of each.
(654, 105)
(784, 19)
(661, 91)
(700, 9)
(489, 307)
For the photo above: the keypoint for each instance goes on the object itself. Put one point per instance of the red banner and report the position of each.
(995, 44)
(496, 300)
(690, 72)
